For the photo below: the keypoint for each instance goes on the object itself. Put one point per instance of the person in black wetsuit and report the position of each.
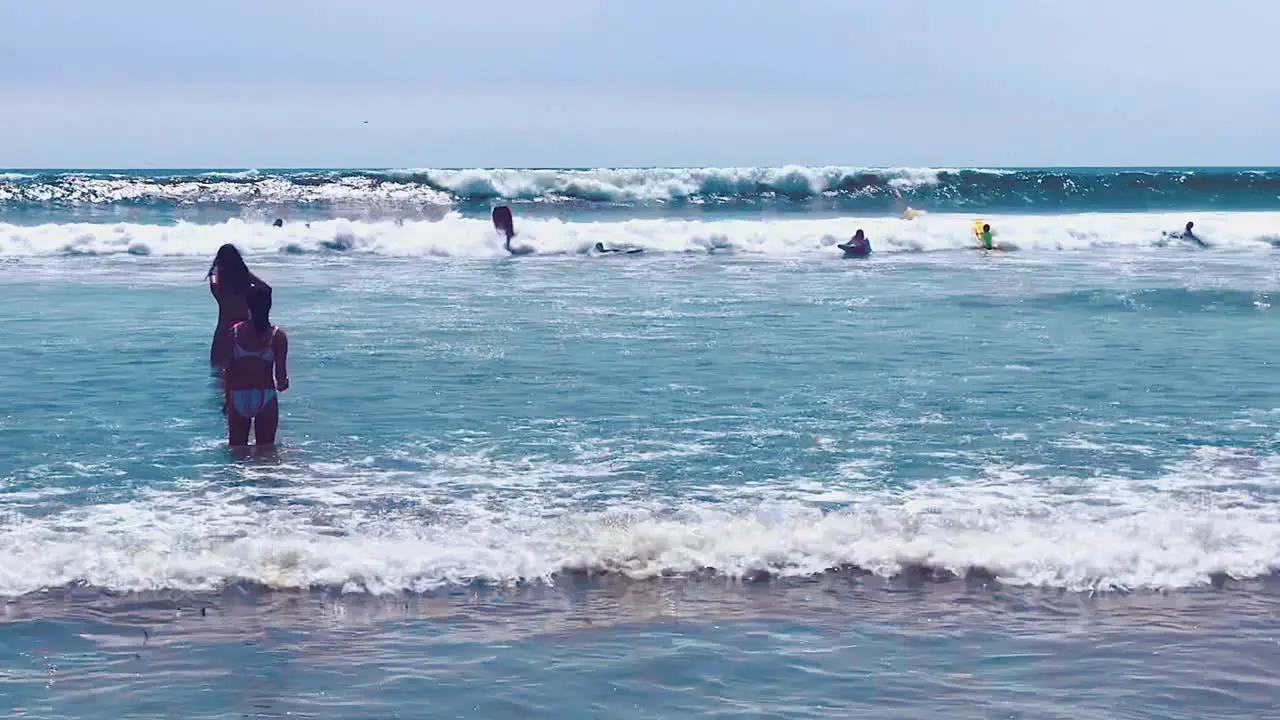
(600, 248)
(1188, 235)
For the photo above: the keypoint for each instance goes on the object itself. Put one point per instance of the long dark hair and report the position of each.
(259, 301)
(232, 272)
(503, 222)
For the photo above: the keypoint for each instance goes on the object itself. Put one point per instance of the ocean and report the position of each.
(734, 476)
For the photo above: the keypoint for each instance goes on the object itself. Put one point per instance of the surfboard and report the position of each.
(851, 251)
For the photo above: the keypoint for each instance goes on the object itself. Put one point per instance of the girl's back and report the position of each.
(253, 357)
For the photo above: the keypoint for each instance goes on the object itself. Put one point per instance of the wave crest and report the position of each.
(940, 189)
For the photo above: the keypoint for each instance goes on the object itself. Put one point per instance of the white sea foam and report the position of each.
(444, 187)
(456, 236)
(660, 184)
(244, 188)
(457, 517)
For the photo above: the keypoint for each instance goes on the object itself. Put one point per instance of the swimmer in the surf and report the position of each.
(278, 223)
(600, 248)
(1187, 234)
(986, 237)
(505, 224)
(257, 372)
(858, 246)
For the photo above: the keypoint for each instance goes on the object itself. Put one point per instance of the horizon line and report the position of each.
(381, 168)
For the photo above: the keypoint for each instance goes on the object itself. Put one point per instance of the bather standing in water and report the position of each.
(256, 362)
(229, 283)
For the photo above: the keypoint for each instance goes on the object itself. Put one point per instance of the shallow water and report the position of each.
(831, 648)
(1020, 485)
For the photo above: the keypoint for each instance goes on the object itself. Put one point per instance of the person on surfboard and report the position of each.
(600, 248)
(858, 246)
(1187, 234)
(505, 224)
(985, 237)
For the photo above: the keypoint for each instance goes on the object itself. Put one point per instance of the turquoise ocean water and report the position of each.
(735, 476)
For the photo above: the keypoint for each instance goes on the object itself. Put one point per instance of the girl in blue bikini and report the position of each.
(255, 361)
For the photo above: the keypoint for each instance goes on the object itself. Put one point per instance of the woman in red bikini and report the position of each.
(255, 357)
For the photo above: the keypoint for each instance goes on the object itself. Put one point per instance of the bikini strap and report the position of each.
(235, 334)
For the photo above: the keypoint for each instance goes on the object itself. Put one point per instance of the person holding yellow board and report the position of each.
(982, 231)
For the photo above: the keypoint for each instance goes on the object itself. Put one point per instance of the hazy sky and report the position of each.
(289, 83)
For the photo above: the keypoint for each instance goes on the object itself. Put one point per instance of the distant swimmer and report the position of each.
(910, 214)
(857, 247)
(985, 236)
(1187, 234)
(505, 224)
(600, 248)
(278, 223)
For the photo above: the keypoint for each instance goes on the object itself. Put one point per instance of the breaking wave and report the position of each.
(844, 187)
(456, 235)
(391, 532)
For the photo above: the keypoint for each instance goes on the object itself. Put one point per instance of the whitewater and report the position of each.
(458, 236)
(1049, 189)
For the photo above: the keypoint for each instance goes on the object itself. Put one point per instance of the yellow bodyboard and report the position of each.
(977, 235)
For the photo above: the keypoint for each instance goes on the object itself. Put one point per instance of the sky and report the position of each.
(593, 83)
